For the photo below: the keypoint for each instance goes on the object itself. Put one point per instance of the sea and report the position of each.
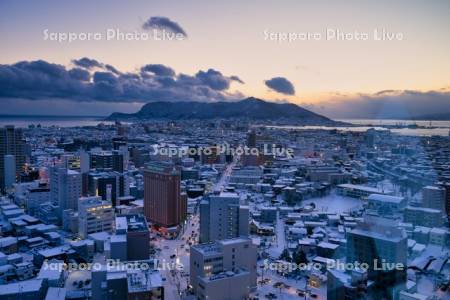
(49, 121)
(417, 128)
(424, 128)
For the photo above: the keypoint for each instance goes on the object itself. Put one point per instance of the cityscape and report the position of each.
(157, 176)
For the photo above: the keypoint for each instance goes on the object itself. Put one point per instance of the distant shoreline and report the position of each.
(50, 117)
(3, 116)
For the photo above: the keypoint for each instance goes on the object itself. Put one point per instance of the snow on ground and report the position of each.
(335, 203)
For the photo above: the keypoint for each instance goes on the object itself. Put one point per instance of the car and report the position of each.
(172, 256)
(163, 279)
(313, 296)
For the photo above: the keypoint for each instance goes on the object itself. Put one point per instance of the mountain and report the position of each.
(250, 108)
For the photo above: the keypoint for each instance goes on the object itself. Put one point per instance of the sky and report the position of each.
(228, 50)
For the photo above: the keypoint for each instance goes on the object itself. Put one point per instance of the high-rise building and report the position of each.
(383, 247)
(85, 162)
(251, 138)
(112, 160)
(215, 267)
(11, 143)
(446, 186)
(118, 142)
(254, 155)
(10, 170)
(434, 197)
(94, 215)
(108, 185)
(162, 195)
(65, 188)
(222, 217)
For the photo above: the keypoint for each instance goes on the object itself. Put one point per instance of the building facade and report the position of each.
(214, 267)
(163, 204)
(222, 217)
(94, 215)
(11, 143)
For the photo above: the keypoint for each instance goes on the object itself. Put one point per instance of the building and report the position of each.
(253, 156)
(247, 175)
(10, 170)
(422, 216)
(434, 197)
(215, 267)
(438, 236)
(446, 186)
(107, 160)
(11, 143)
(132, 238)
(25, 290)
(222, 217)
(127, 283)
(108, 185)
(385, 204)
(65, 188)
(251, 138)
(163, 204)
(348, 285)
(94, 215)
(36, 196)
(359, 191)
(325, 174)
(376, 241)
(405, 295)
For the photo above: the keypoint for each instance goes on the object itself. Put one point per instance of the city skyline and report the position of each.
(225, 150)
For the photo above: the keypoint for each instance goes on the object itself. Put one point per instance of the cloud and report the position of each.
(280, 85)
(159, 70)
(112, 69)
(37, 80)
(79, 74)
(214, 79)
(87, 63)
(237, 79)
(90, 63)
(395, 104)
(163, 23)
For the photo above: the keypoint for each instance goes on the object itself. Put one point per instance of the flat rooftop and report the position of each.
(131, 223)
(364, 188)
(386, 198)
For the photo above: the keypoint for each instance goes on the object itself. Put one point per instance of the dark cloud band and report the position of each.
(92, 80)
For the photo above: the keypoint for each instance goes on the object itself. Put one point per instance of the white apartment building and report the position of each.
(94, 215)
(214, 267)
